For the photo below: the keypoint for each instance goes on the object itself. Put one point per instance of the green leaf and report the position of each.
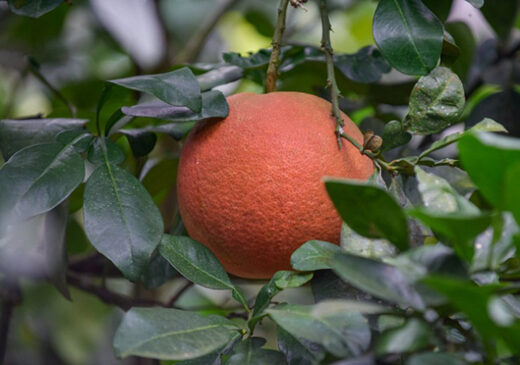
(198, 264)
(358, 245)
(175, 130)
(104, 148)
(414, 335)
(378, 279)
(38, 178)
(249, 352)
(492, 162)
(365, 66)
(280, 280)
(435, 358)
(17, 134)
(486, 125)
(437, 101)
(441, 8)
(142, 143)
(460, 228)
(159, 179)
(33, 8)
(255, 60)
(299, 351)
(466, 43)
(121, 220)
(476, 3)
(369, 210)
(342, 332)
(394, 135)
(158, 272)
(313, 255)
(501, 18)
(171, 334)
(179, 87)
(409, 35)
(214, 105)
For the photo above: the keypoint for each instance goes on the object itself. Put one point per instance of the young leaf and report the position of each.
(409, 35)
(121, 220)
(365, 66)
(313, 255)
(437, 101)
(17, 134)
(342, 332)
(171, 334)
(377, 278)
(37, 178)
(197, 263)
(33, 8)
(414, 335)
(179, 87)
(369, 210)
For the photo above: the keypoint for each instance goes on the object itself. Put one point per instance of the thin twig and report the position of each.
(274, 60)
(178, 294)
(331, 77)
(122, 301)
(192, 49)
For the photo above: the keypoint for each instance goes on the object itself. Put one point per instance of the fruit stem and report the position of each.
(274, 60)
(331, 77)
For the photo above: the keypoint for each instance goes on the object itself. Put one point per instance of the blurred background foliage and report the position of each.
(68, 53)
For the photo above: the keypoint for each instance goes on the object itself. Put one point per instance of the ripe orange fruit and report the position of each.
(250, 186)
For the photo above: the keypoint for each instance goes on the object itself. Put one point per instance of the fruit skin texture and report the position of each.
(250, 186)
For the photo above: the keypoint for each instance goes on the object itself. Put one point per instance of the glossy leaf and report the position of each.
(437, 101)
(175, 130)
(441, 8)
(313, 255)
(179, 87)
(343, 333)
(378, 279)
(409, 35)
(358, 245)
(476, 3)
(33, 8)
(365, 66)
(197, 263)
(121, 220)
(394, 135)
(369, 210)
(492, 162)
(38, 178)
(255, 60)
(414, 335)
(17, 134)
(171, 334)
(214, 105)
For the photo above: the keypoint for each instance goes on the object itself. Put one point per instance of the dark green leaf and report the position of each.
(197, 263)
(466, 43)
(142, 144)
(437, 101)
(435, 358)
(313, 255)
(175, 130)
(179, 87)
(249, 352)
(103, 149)
(121, 220)
(219, 76)
(255, 60)
(441, 8)
(378, 279)
(299, 351)
(394, 135)
(160, 178)
(366, 66)
(492, 162)
(341, 331)
(501, 18)
(80, 139)
(33, 8)
(17, 134)
(171, 334)
(476, 3)
(158, 272)
(38, 178)
(408, 35)
(414, 335)
(369, 210)
(214, 105)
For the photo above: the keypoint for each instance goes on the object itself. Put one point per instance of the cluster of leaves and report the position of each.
(428, 267)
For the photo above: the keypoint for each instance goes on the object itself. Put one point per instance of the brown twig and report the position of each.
(274, 60)
(331, 77)
(122, 301)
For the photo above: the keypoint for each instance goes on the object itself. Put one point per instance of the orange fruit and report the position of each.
(250, 186)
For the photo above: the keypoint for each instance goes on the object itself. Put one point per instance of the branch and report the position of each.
(192, 49)
(331, 77)
(274, 60)
(122, 301)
